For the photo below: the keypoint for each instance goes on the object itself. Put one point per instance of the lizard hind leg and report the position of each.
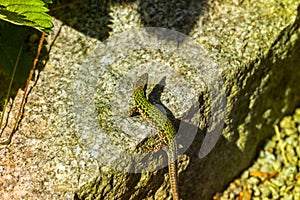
(151, 154)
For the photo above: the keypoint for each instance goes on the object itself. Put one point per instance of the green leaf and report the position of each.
(29, 13)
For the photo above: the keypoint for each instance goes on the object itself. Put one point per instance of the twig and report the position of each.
(25, 92)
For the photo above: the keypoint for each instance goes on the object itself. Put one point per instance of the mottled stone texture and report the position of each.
(256, 47)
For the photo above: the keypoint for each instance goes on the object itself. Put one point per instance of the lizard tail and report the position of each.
(173, 175)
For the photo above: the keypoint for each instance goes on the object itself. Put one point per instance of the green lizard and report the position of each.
(163, 125)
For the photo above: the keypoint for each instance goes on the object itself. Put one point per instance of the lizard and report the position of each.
(161, 123)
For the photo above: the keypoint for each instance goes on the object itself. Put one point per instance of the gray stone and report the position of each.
(254, 45)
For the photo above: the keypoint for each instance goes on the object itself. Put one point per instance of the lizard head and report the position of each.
(141, 83)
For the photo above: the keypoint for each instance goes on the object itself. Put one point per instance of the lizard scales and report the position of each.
(162, 124)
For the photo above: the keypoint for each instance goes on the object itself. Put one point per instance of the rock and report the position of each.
(254, 46)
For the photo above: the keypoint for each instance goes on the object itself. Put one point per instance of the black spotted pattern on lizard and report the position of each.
(163, 125)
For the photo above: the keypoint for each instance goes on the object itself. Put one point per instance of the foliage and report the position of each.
(29, 13)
